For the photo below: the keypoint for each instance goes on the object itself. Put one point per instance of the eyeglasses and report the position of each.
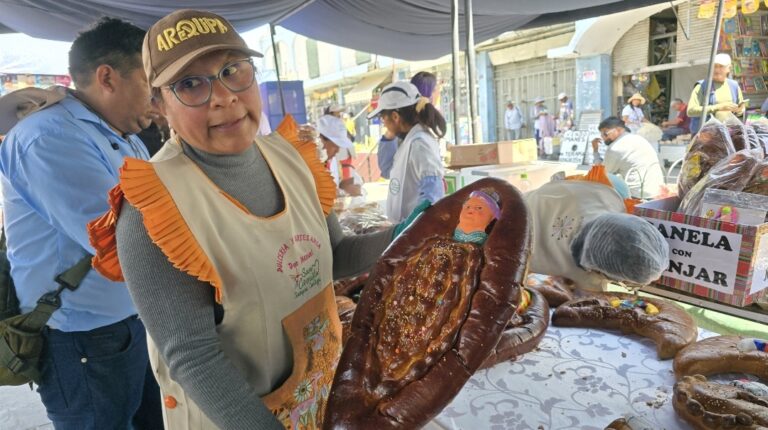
(196, 91)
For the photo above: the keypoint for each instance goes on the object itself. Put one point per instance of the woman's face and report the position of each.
(475, 215)
(391, 120)
(331, 149)
(635, 102)
(228, 122)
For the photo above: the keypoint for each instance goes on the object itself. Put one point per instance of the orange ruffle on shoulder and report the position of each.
(164, 223)
(326, 186)
(101, 234)
(598, 174)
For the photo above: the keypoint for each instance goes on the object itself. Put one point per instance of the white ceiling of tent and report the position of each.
(407, 29)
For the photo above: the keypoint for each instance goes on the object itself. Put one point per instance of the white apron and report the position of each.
(280, 315)
(404, 178)
(559, 210)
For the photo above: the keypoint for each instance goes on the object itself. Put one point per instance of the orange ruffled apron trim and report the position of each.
(598, 174)
(141, 186)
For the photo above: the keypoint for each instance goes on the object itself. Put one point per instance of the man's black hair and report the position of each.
(611, 122)
(108, 41)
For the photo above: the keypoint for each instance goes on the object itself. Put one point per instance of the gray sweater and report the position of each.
(179, 311)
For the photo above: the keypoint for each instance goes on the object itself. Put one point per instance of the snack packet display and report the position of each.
(733, 174)
(711, 145)
(734, 207)
(367, 218)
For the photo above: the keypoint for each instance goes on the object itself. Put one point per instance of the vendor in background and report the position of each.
(725, 99)
(426, 83)
(581, 231)
(680, 124)
(630, 157)
(565, 115)
(417, 171)
(632, 114)
(345, 155)
(252, 248)
(156, 134)
(333, 135)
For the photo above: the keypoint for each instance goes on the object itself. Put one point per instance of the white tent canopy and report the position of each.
(20, 53)
(407, 29)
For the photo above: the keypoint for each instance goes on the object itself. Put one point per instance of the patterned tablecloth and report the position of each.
(576, 379)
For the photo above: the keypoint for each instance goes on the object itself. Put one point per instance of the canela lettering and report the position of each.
(696, 237)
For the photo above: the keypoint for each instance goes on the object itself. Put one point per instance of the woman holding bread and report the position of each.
(227, 243)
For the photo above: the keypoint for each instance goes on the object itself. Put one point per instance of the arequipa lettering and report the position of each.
(186, 29)
(695, 237)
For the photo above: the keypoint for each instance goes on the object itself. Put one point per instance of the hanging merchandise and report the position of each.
(707, 9)
(750, 6)
(653, 90)
(730, 8)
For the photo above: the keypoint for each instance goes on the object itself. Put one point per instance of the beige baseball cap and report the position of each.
(183, 36)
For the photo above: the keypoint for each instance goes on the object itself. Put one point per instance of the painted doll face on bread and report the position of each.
(476, 213)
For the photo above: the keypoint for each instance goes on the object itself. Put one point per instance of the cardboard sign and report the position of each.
(576, 145)
(700, 255)
(760, 271)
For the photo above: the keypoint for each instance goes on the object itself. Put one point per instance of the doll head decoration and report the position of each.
(477, 214)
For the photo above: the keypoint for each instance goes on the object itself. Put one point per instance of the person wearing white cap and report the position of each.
(536, 111)
(334, 136)
(725, 98)
(417, 171)
(565, 116)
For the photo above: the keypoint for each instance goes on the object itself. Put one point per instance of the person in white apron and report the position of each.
(334, 137)
(581, 232)
(227, 244)
(417, 171)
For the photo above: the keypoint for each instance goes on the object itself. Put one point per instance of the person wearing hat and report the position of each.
(333, 135)
(227, 242)
(417, 171)
(57, 163)
(565, 116)
(632, 114)
(725, 98)
(513, 121)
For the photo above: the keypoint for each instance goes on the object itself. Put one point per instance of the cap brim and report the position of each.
(9, 104)
(375, 112)
(167, 76)
(343, 142)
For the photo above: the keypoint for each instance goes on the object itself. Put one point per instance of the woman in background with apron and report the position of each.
(417, 171)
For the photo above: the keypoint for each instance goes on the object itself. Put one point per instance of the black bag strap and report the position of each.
(69, 279)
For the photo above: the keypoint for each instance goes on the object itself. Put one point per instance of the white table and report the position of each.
(577, 379)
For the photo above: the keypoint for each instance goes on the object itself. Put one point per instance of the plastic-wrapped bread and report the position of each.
(710, 145)
(732, 173)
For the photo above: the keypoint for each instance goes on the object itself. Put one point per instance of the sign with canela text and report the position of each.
(701, 256)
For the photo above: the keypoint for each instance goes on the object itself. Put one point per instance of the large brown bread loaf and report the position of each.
(524, 332)
(430, 315)
(719, 354)
(671, 329)
(711, 406)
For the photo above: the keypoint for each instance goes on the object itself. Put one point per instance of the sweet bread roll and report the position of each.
(721, 354)
(710, 406)
(350, 286)
(431, 313)
(346, 309)
(664, 322)
(555, 289)
(523, 333)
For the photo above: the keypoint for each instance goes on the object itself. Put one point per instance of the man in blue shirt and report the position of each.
(56, 168)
